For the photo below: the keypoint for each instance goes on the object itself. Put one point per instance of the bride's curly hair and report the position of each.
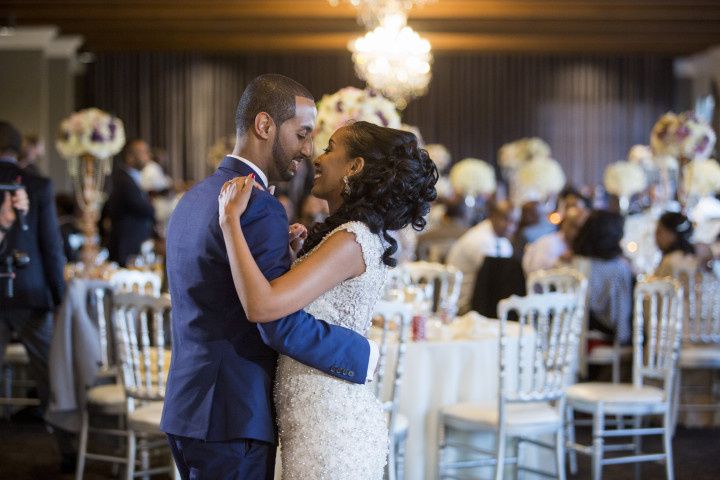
(394, 189)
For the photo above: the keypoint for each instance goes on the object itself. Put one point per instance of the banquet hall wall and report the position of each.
(590, 109)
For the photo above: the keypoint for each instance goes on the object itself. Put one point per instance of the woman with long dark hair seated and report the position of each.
(598, 255)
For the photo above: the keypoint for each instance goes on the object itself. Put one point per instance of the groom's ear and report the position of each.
(264, 125)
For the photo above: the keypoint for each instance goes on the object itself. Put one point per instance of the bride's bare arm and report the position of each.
(337, 259)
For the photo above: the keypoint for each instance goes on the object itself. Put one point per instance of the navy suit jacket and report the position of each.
(223, 366)
(40, 284)
(132, 215)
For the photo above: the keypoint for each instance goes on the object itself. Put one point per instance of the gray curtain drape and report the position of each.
(591, 110)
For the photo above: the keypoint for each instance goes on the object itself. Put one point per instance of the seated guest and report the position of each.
(434, 244)
(489, 238)
(131, 213)
(672, 236)
(554, 249)
(533, 225)
(569, 197)
(598, 256)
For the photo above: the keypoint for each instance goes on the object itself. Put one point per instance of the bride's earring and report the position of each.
(346, 188)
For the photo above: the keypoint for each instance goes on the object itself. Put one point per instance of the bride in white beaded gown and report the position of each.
(374, 179)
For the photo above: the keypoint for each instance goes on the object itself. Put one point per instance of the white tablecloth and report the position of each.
(447, 372)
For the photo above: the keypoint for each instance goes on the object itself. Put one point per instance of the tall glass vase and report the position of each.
(88, 176)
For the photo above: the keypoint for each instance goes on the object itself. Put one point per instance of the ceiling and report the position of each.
(523, 26)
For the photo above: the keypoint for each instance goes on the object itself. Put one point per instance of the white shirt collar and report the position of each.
(254, 167)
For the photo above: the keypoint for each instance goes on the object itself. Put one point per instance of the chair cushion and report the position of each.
(700, 356)
(106, 396)
(616, 397)
(604, 354)
(519, 417)
(16, 353)
(146, 418)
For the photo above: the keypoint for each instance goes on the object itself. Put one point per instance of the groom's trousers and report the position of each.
(242, 459)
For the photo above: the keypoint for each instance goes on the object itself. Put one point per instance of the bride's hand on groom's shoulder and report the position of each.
(234, 197)
(297, 235)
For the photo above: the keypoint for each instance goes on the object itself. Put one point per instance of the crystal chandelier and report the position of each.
(394, 60)
(371, 13)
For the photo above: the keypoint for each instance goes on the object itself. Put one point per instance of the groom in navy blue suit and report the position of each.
(218, 411)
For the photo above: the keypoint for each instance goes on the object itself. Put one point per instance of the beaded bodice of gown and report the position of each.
(330, 428)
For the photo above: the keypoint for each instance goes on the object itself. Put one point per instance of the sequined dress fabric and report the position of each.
(331, 429)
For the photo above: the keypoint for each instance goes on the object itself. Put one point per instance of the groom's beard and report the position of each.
(281, 161)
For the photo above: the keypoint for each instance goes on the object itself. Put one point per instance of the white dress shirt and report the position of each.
(374, 350)
(468, 254)
(544, 253)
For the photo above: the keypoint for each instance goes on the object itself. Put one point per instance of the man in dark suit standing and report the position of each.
(131, 214)
(218, 411)
(39, 286)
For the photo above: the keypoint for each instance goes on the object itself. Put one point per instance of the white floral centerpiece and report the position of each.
(90, 131)
(642, 156)
(624, 179)
(538, 179)
(682, 135)
(666, 135)
(87, 140)
(701, 177)
(350, 104)
(515, 154)
(699, 140)
(472, 177)
(440, 155)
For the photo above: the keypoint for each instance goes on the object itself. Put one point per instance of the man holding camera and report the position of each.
(26, 310)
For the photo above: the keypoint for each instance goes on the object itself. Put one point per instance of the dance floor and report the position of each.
(27, 452)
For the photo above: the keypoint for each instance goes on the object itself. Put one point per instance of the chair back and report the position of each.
(399, 315)
(549, 327)
(566, 280)
(701, 305)
(136, 281)
(562, 280)
(657, 327)
(442, 282)
(141, 335)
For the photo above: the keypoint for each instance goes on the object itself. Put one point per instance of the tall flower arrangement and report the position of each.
(352, 104)
(87, 140)
(538, 179)
(472, 177)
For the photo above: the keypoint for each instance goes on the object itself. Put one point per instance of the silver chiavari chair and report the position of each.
(441, 283)
(143, 350)
(700, 348)
(656, 340)
(108, 398)
(531, 398)
(396, 316)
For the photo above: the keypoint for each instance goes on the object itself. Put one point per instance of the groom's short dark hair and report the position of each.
(271, 93)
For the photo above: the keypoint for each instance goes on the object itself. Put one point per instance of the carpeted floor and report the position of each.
(28, 452)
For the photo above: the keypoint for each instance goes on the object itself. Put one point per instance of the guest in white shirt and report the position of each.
(489, 238)
(550, 250)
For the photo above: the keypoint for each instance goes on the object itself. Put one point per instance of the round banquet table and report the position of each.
(439, 373)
